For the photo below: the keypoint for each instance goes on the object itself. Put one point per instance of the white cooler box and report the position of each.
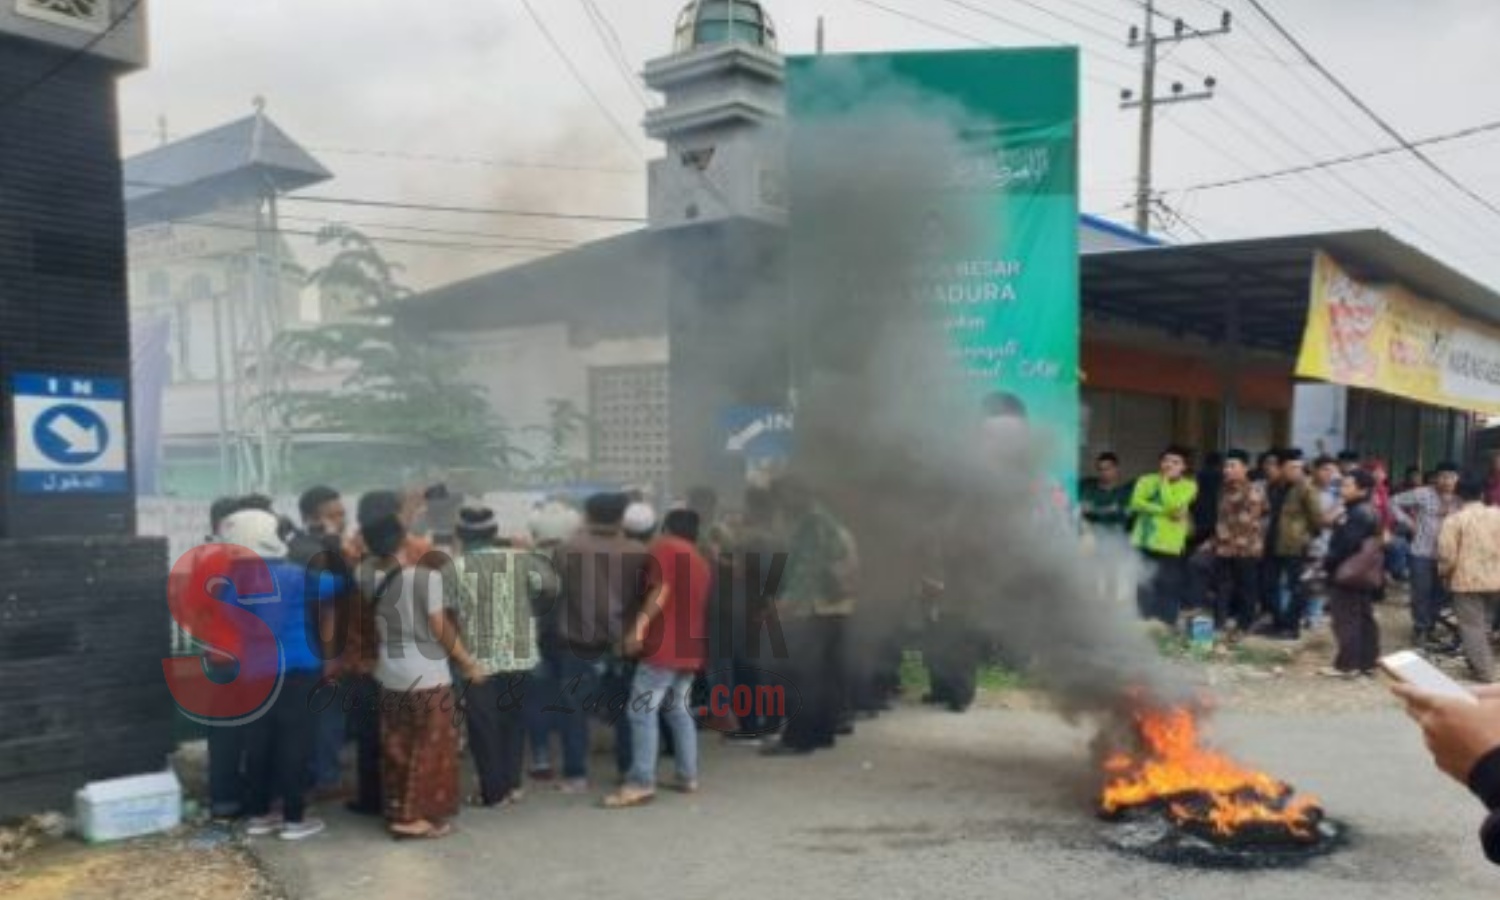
(128, 807)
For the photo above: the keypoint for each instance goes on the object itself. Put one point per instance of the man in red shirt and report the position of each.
(669, 638)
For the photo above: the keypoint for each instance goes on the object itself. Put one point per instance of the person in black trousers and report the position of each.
(1352, 608)
(279, 740)
(814, 603)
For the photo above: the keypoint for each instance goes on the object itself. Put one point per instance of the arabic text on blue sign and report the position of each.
(71, 483)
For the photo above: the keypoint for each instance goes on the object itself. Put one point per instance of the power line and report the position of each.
(1253, 79)
(1270, 127)
(430, 207)
(573, 69)
(614, 48)
(381, 239)
(1101, 13)
(20, 93)
(434, 207)
(1368, 111)
(463, 210)
(1314, 125)
(1343, 160)
(1294, 196)
(415, 157)
(952, 31)
(539, 241)
(1035, 32)
(935, 26)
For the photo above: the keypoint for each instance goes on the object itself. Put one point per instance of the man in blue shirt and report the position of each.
(280, 741)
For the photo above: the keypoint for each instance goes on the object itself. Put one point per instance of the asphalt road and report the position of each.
(923, 803)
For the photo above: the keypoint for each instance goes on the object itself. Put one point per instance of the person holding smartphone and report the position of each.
(1464, 738)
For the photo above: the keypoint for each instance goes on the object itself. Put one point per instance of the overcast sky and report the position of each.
(373, 86)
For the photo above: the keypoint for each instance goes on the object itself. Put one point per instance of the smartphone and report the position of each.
(1410, 668)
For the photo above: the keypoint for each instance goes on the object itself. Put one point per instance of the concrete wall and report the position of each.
(83, 629)
(524, 369)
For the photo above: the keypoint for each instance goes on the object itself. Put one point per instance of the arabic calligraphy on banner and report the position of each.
(1385, 338)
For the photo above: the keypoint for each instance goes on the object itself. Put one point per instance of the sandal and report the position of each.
(431, 832)
(683, 786)
(627, 797)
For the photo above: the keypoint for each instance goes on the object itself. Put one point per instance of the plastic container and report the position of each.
(1201, 633)
(128, 807)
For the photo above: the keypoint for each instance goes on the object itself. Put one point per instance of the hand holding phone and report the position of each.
(1411, 669)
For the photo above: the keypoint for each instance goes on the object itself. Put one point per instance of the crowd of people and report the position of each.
(425, 626)
(1263, 548)
(428, 627)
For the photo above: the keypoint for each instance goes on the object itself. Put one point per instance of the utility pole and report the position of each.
(1150, 42)
(822, 35)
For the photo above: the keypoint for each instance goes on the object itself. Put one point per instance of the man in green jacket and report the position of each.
(1161, 505)
(1298, 523)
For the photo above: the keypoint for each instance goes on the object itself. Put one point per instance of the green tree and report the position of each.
(403, 412)
(565, 423)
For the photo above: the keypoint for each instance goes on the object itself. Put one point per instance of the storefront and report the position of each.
(1346, 340)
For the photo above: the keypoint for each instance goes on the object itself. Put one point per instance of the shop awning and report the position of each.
(1189, 289)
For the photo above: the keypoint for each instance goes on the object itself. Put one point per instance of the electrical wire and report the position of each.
(1254, 136)
(1110, 36)
(380, 239)
(541, 242)
(955, 32)
(614, 48)
(1415, 198)
(619, 127)
(409, 156)
(462, 210)
(429, 207)
(1341, 160)
(1295, 197)
(1370, 113)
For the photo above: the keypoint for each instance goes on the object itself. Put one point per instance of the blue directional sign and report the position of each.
(70, 434)
(758, 433)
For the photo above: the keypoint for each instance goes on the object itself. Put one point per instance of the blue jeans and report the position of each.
(666, 692)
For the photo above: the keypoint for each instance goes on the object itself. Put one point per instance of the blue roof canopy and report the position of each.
(245, 158)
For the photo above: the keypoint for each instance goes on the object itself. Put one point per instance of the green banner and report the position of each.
(999, 266)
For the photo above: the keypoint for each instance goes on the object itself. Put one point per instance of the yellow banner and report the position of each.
(1385, 338)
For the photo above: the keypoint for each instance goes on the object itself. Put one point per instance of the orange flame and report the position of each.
(1199, 786)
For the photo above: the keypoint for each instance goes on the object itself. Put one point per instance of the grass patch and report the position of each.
(991, 677)
(1173, 645)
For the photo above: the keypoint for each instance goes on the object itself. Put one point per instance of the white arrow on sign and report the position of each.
(738, 442)
(81, 439)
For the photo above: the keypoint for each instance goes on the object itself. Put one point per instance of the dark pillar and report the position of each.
(63, 309)
(83, 607)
